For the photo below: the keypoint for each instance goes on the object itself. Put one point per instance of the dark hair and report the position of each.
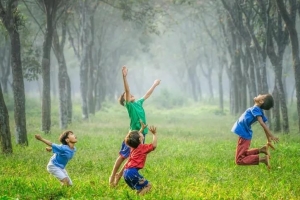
(122, 99)
(268, 102)
(64, 136)
(133, 139)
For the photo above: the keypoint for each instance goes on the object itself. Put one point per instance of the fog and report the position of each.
(164, 48)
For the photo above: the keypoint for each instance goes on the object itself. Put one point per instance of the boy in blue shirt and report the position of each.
(137, 115)
(242, 127)
(62, 154)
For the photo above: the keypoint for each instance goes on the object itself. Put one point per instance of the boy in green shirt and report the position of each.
(137, 115)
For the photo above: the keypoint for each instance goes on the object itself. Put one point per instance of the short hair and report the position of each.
(133, 139)
(64, 136)
(268, 102)
(122, 99)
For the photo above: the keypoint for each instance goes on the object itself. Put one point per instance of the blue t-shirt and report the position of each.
(62, 154)
(242, 126)
(136, 113)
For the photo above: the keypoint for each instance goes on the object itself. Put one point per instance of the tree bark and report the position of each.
(5, 137)
(290, 23)
(64, 84)
(10, 19)
(46, 94)
(84, 60)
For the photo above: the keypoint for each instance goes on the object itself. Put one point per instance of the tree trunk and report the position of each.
(65, 102)
(290, 23)
(5, 55)
(5, 137)
(276, 110)
(46, 92)
(10, 22)
(84, 61)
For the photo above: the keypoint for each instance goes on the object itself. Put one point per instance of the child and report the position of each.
(242, 127)
(137, 159)
(62, 154)
(136, 114)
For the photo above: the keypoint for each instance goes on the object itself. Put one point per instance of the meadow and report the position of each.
(194, 158)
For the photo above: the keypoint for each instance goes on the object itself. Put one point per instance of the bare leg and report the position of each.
(117, 165)
(144, 190)
(118, 176)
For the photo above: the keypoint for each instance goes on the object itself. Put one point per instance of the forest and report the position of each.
(225, 50)
(61, 68)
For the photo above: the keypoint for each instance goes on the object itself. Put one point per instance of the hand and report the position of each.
(152, 129)
(38, 137)
(273, 138)
(143, 126)
(48, 149)
(124, 71)
(156, 82)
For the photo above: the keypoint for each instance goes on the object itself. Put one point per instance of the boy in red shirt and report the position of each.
(137, 159)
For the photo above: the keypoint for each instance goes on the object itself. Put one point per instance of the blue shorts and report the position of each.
(125, 150)
(134, 179)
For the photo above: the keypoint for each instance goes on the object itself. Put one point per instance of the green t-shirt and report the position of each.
(136, 113)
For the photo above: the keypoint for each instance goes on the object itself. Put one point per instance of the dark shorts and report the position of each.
(125, 150)
(134, 179)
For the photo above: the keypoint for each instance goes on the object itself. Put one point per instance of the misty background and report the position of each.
(222, 52)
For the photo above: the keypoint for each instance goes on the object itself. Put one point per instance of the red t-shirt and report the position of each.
(138, 156)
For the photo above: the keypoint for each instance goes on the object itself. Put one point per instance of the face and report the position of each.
(259, 99)
(141, 138)
(71, 138)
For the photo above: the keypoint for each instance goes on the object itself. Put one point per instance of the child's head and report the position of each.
(122, 98)
(264, 101)
(67, 137)
(134, 139)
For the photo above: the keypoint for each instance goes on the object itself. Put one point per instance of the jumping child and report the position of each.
(242, 127)
(62, 154)
(136, 114)
(137, 159)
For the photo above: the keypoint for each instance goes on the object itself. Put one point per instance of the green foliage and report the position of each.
(194, 159)
(31, 66)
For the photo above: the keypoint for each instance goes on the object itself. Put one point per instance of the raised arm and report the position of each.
(126, 86)
(152, 129)
(143, 126)
(268, 133)
(149, 92)
(47, 142)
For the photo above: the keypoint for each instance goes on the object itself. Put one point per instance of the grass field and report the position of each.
(194, 159)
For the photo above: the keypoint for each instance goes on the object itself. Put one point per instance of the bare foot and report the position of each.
(266, 161)
(144, 190)
(111, 181)
(265, 150)
(117, 179)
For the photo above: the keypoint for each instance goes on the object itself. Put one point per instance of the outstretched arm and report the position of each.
(47, 142)
(126, 86)
(149, 92)
(268, 133)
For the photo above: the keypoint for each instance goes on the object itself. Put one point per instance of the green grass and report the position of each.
(194, 159)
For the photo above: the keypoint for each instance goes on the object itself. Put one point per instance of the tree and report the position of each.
(64, 84)
(5, 137)
(290, 20)
(12, 21)
(50, 8)
(5, 63)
